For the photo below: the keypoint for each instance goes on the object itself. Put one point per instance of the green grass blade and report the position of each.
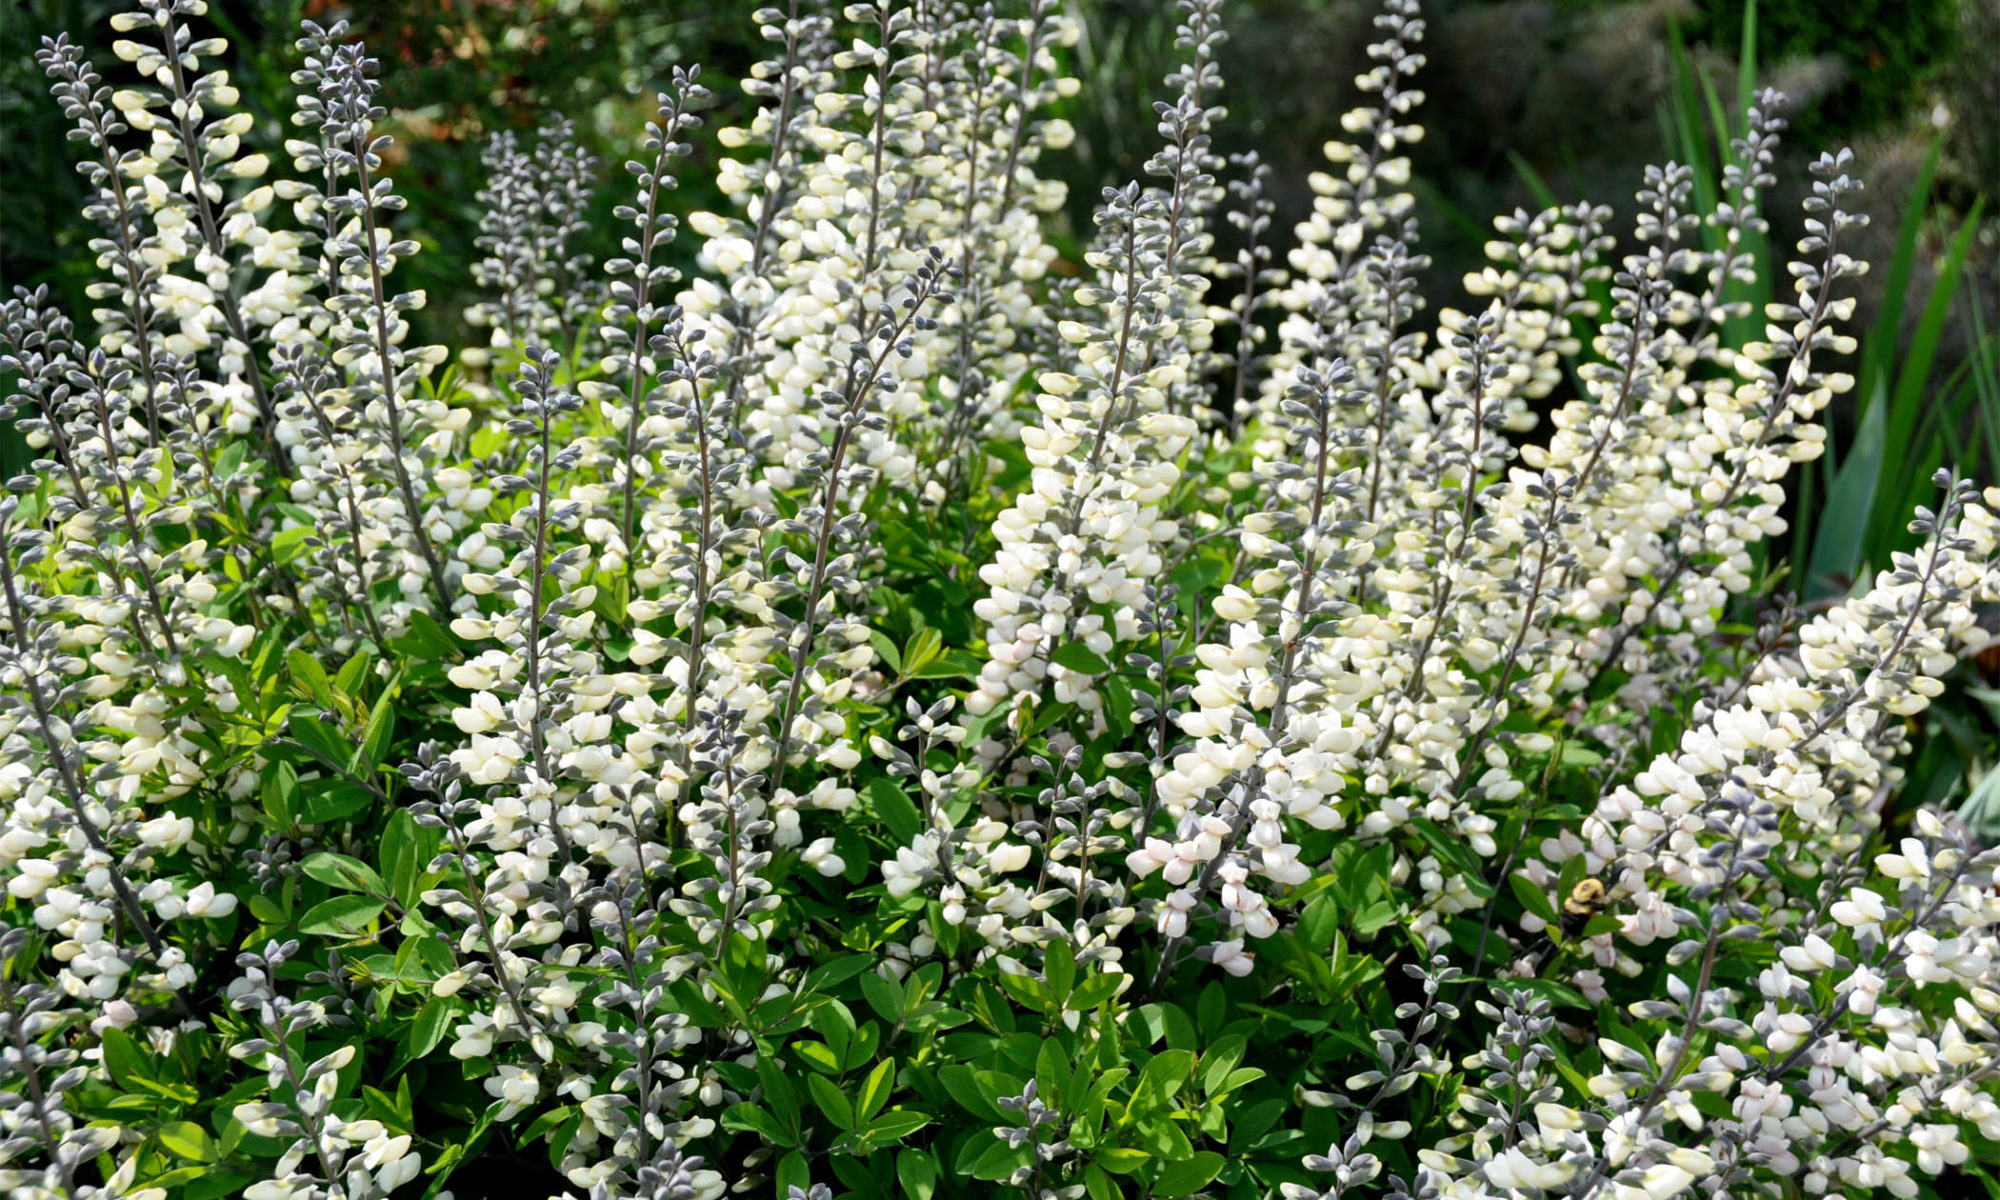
(1843, 525)
(1718, 120)
(1880, 351)
(1912, 396)
(1687, 130)
(1738, 331)
(1981, 811)
(1746, 60)
(1532, 179)
(1805, 521)
(1986, 384)
(1455, 216)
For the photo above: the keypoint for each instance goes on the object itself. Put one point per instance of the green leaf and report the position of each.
(1450, 848)
(1029, 992)
(779, 1094)
(955, 664)
(1365, 875)
(819, 1056)
(1052, 1074)
(1121, 1160)
(1189, 1174)
(358, 667)
(1246, 1126)
(1199, 575)
(398, 1111)
(1319, 922)
(875, 1090)
(1537, 187)
(186, 1139)
(887, 649)
(428, 641)
(839, 971)
(278, 788)
(547, 1123)
(830, 1101)
(898, 814)
(307, 672)
(990, 1159)
(1059, 965)
(1219, 1061)
(1078, 657)
(1533, 899)
(793, 1173)
(945, 604)
(964, 1086)
(1049, 717)
(231, 458)
(923, 646)
(1117, 704)
(178, 1092)
(1098, 1185)
(917, 1171)
(176, 1177)
(1095, 990)
(375, 738)
(286, 544)
(1168, 1071)
(1432, 198)
(327, 801)
(1981, 809)
(1574, 755)
(1373, 918)
(892, 1126)
(402, 856)
(214, 1184)
(1211, 1009)
(835, 1022)
(123, 1058)
(428, 1028)
(1600, 925)
(748, 1118)
(326, 746)
(884, 997)
(342, 916)
(340, 871)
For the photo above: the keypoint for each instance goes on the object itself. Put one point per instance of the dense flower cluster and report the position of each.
(901, 708)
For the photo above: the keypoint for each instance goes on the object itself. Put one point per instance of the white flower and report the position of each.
(1815, 955)
(1938, 1146)
(1861, 909)
(1515, 1170)
(1231, 958)
(820, 857)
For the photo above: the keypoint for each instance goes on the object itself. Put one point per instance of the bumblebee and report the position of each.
(1588, 898)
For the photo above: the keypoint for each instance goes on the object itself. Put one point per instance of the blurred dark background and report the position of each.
(1569, 92)
(1570, 89)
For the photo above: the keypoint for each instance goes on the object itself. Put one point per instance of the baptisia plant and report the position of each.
(868, 693)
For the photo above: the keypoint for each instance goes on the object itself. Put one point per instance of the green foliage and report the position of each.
(1888, 50)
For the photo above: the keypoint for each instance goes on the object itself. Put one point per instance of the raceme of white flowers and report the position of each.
(626, 635)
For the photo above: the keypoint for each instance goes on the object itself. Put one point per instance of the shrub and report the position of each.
(902, 711)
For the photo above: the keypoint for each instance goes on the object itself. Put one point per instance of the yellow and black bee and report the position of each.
(1588, 898)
